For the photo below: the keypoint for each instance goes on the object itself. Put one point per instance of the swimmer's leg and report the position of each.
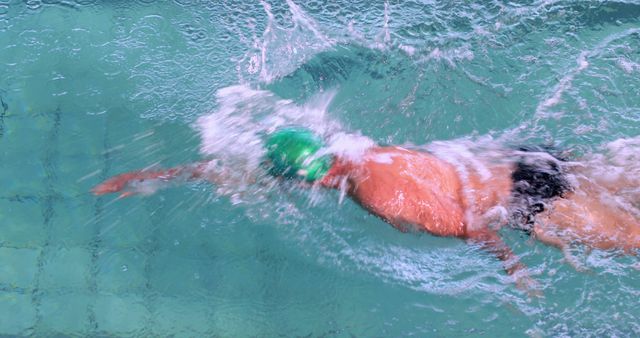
(587, 218)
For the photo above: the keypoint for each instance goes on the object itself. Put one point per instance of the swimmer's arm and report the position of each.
(479, 231)
(489, 240)
(147, 181)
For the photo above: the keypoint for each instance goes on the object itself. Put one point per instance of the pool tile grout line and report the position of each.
(3, 114)
(94, 245)
(16, 289)
(149, 296)
(49, 163)
(21, 198)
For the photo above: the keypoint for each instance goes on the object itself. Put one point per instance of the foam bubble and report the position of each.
(627, 65)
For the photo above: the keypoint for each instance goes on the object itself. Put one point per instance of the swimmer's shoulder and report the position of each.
(401, 157)
(395, 151)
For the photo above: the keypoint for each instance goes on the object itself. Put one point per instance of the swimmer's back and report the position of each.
(408, 188)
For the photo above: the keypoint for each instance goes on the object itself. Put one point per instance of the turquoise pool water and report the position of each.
(90, 89)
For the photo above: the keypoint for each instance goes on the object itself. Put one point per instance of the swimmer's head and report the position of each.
(292, 153)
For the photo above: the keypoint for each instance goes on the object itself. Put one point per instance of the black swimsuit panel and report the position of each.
(538, 177)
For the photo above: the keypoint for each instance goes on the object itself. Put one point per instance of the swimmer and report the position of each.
(417, 191)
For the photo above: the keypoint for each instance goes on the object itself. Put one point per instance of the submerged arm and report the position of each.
(489, 240)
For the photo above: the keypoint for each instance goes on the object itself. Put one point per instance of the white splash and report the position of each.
(234, 132)
(566, 81)
(281, 49)
(563, 85)
(627, 65)
(385, 34)
(348, 146)
(451, 56)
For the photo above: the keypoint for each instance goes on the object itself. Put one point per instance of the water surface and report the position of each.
(90, 89)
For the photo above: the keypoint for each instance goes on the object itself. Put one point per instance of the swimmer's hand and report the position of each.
(113, 184)
(526, 283)
(122, 183)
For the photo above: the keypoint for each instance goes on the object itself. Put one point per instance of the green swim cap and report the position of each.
(291, 151)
